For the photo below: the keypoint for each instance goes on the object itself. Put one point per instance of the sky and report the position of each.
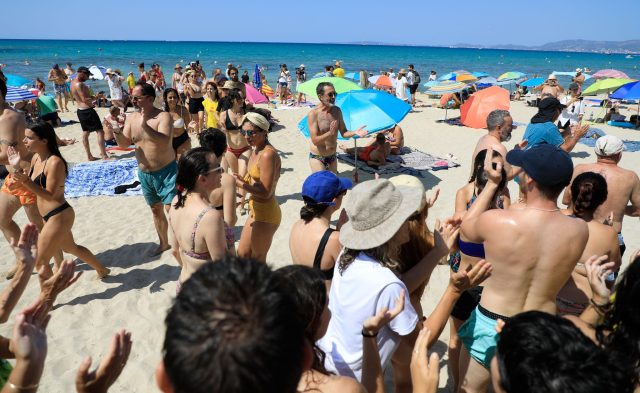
(412, 22)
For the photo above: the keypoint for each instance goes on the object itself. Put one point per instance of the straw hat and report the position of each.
(402, 71)
(108, 71)
(413, 182)
(377, 209)
(552, 77)
(229, 85)
(178, 66)
(257, 120)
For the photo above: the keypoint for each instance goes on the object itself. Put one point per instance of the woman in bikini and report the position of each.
(312, 241)
(181, 118)
(260, 181)
(46, 179)
(193, 90)
(238, 149)
(198, 232)
(588, 192)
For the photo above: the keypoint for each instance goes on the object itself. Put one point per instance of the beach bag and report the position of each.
(416, 77)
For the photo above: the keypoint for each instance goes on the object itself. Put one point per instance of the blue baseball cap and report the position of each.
(321, 187)
(546, 164)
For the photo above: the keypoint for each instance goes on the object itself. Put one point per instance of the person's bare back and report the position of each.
(81, 95)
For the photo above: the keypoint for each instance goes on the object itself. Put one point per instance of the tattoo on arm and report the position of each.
(8, 142)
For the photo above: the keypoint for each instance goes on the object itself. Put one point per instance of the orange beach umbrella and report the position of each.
(475, 110)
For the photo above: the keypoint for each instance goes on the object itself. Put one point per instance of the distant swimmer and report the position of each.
(26, 62)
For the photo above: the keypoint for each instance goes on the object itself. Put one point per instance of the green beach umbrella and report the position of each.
(340, 84)
(605, 86)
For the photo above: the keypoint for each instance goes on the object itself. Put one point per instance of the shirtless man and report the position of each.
(59, 79)
(623, 185)
(550, 88)
(579, 79)
(500, 126)
(533, 251)
(89, 119)
(12, 194)
(324, 123)
(151, 130)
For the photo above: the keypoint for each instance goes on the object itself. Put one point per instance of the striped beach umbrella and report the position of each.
(446, 87)
(511, 76)
(467, 78)
(487, 80)
(609, 73)
(453, 74)
(15, 94)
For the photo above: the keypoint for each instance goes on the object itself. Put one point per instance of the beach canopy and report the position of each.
(17, 80)
(15, 94)
(382, 81)
(533, 82)
(374, 109)
(340, 84)
(446, 87)
(254, 96)
(430, 83)
(98, 72)
(605, 86)
(474, 111)
(609, 73)
(629, 91)
(511, 76)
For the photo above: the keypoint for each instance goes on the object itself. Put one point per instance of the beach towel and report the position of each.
(593, 134)
(410, 162)
(102, 178)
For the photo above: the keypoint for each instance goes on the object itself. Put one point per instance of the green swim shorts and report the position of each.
(479, 336)
(159, 186)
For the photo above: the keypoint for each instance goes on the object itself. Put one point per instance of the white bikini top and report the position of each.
(178, 123)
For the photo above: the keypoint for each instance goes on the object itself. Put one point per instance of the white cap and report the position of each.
(301, 66)
(552, 76)
(608, 145)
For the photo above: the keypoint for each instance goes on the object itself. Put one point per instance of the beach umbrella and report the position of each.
(453, 74)
(382, 81)
(479, 74)
(511, 76)
(605, 86)
(340, 84)
(98, 72)
(254, 96)
(267, 90)
(610, 73)
(446, 87)
(467, 78)
(430, 83)
(533, 82)
(487, 80)
(352, 75)
(15, 94)
(474, 111)
(257, 80)
(319, 74)
(629, 91)
(17, 80)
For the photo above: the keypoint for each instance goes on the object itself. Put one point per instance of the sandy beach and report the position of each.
(120, 231)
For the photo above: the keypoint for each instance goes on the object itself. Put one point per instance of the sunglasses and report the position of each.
(137, 98)
(248, 133)
(331, 94)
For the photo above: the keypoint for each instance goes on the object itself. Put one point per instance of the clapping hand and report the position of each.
(13, 156)
(446, 234)
(472, 277)
(373, 325)
(598, 269)
(424, 371)
(579, 130)
(29, 341)
(361, 132)
(333, 127)
(61, 280)
(26, 248)
(100, 379)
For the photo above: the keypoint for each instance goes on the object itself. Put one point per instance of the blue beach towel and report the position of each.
(593, 134)
(101, 178)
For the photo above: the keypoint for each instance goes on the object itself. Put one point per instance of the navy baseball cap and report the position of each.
(321, 187)
(546, 164)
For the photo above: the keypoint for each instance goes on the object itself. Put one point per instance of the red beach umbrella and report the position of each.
(475, 110)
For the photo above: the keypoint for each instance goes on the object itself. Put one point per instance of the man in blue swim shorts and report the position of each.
(533, 251)
(151, 130)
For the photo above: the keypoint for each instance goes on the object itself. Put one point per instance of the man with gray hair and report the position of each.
(500, 125)
(623, 185)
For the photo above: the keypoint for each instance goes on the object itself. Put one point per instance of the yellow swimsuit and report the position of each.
(269, 211)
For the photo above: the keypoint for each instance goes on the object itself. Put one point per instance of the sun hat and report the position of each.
(257, 120)
(301, 66)
(608, 145)
(578, 69)
(229, 85)
(402, 71)
(552, 77)
(410, 181)
(322, 187)
(177, 66)
(376, 210)
(548, 165)
(109, 71)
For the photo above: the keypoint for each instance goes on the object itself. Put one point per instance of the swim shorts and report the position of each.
(413, 88)
(159, 186)
(195, 105)
(12, 187)
(479, 335)
(89, 120)
(60, 89)
(325, 160)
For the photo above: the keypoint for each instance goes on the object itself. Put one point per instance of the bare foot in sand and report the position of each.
(103, 273)
(159, 250)
(91, 158)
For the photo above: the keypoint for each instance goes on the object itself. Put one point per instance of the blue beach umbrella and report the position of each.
(17, 80)
(430, 83)
(533, 82)
(374, 109)
(17, 94)
(487, 80)
(479, 74)
(257, 80)
(630, 91)
(352, 75)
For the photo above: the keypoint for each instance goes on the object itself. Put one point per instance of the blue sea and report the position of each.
(125, 55)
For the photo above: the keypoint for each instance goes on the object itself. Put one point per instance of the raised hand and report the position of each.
(598, 269)
(361, 132)
(29, 341)
(522, 144)
(13, 155)
(61, 280)
(494, 175)
(100, 379)
(472, 277)
(373, 324)
(579, 129)
(424, 371)
(26, 248)
(446, 234)
(431, 199)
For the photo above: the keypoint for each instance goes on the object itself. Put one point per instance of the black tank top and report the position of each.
(327, 273)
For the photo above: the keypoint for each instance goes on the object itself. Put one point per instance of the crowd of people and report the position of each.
(536, 300)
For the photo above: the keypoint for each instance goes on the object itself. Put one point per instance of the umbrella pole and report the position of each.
(355, 149)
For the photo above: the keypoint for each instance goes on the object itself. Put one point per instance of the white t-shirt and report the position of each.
(432, 77)
(411, 78)
(572, 112)
(392, 75)
(401, 91)
(357, 294)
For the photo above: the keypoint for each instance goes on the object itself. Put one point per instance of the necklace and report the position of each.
(542, 210)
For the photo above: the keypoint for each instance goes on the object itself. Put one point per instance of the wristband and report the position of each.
(29, 387)
(367, 334)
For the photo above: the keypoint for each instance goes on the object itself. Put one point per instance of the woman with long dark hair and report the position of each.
(230, 122)
(198, 231)
(181, 119)
(46, 179)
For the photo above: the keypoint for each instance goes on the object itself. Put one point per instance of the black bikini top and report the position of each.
(229, 124)
(41, 179)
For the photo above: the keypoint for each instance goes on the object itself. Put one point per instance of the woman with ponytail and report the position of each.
(588, 192)
(46, 179)
(312, 241)
(198, 231)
